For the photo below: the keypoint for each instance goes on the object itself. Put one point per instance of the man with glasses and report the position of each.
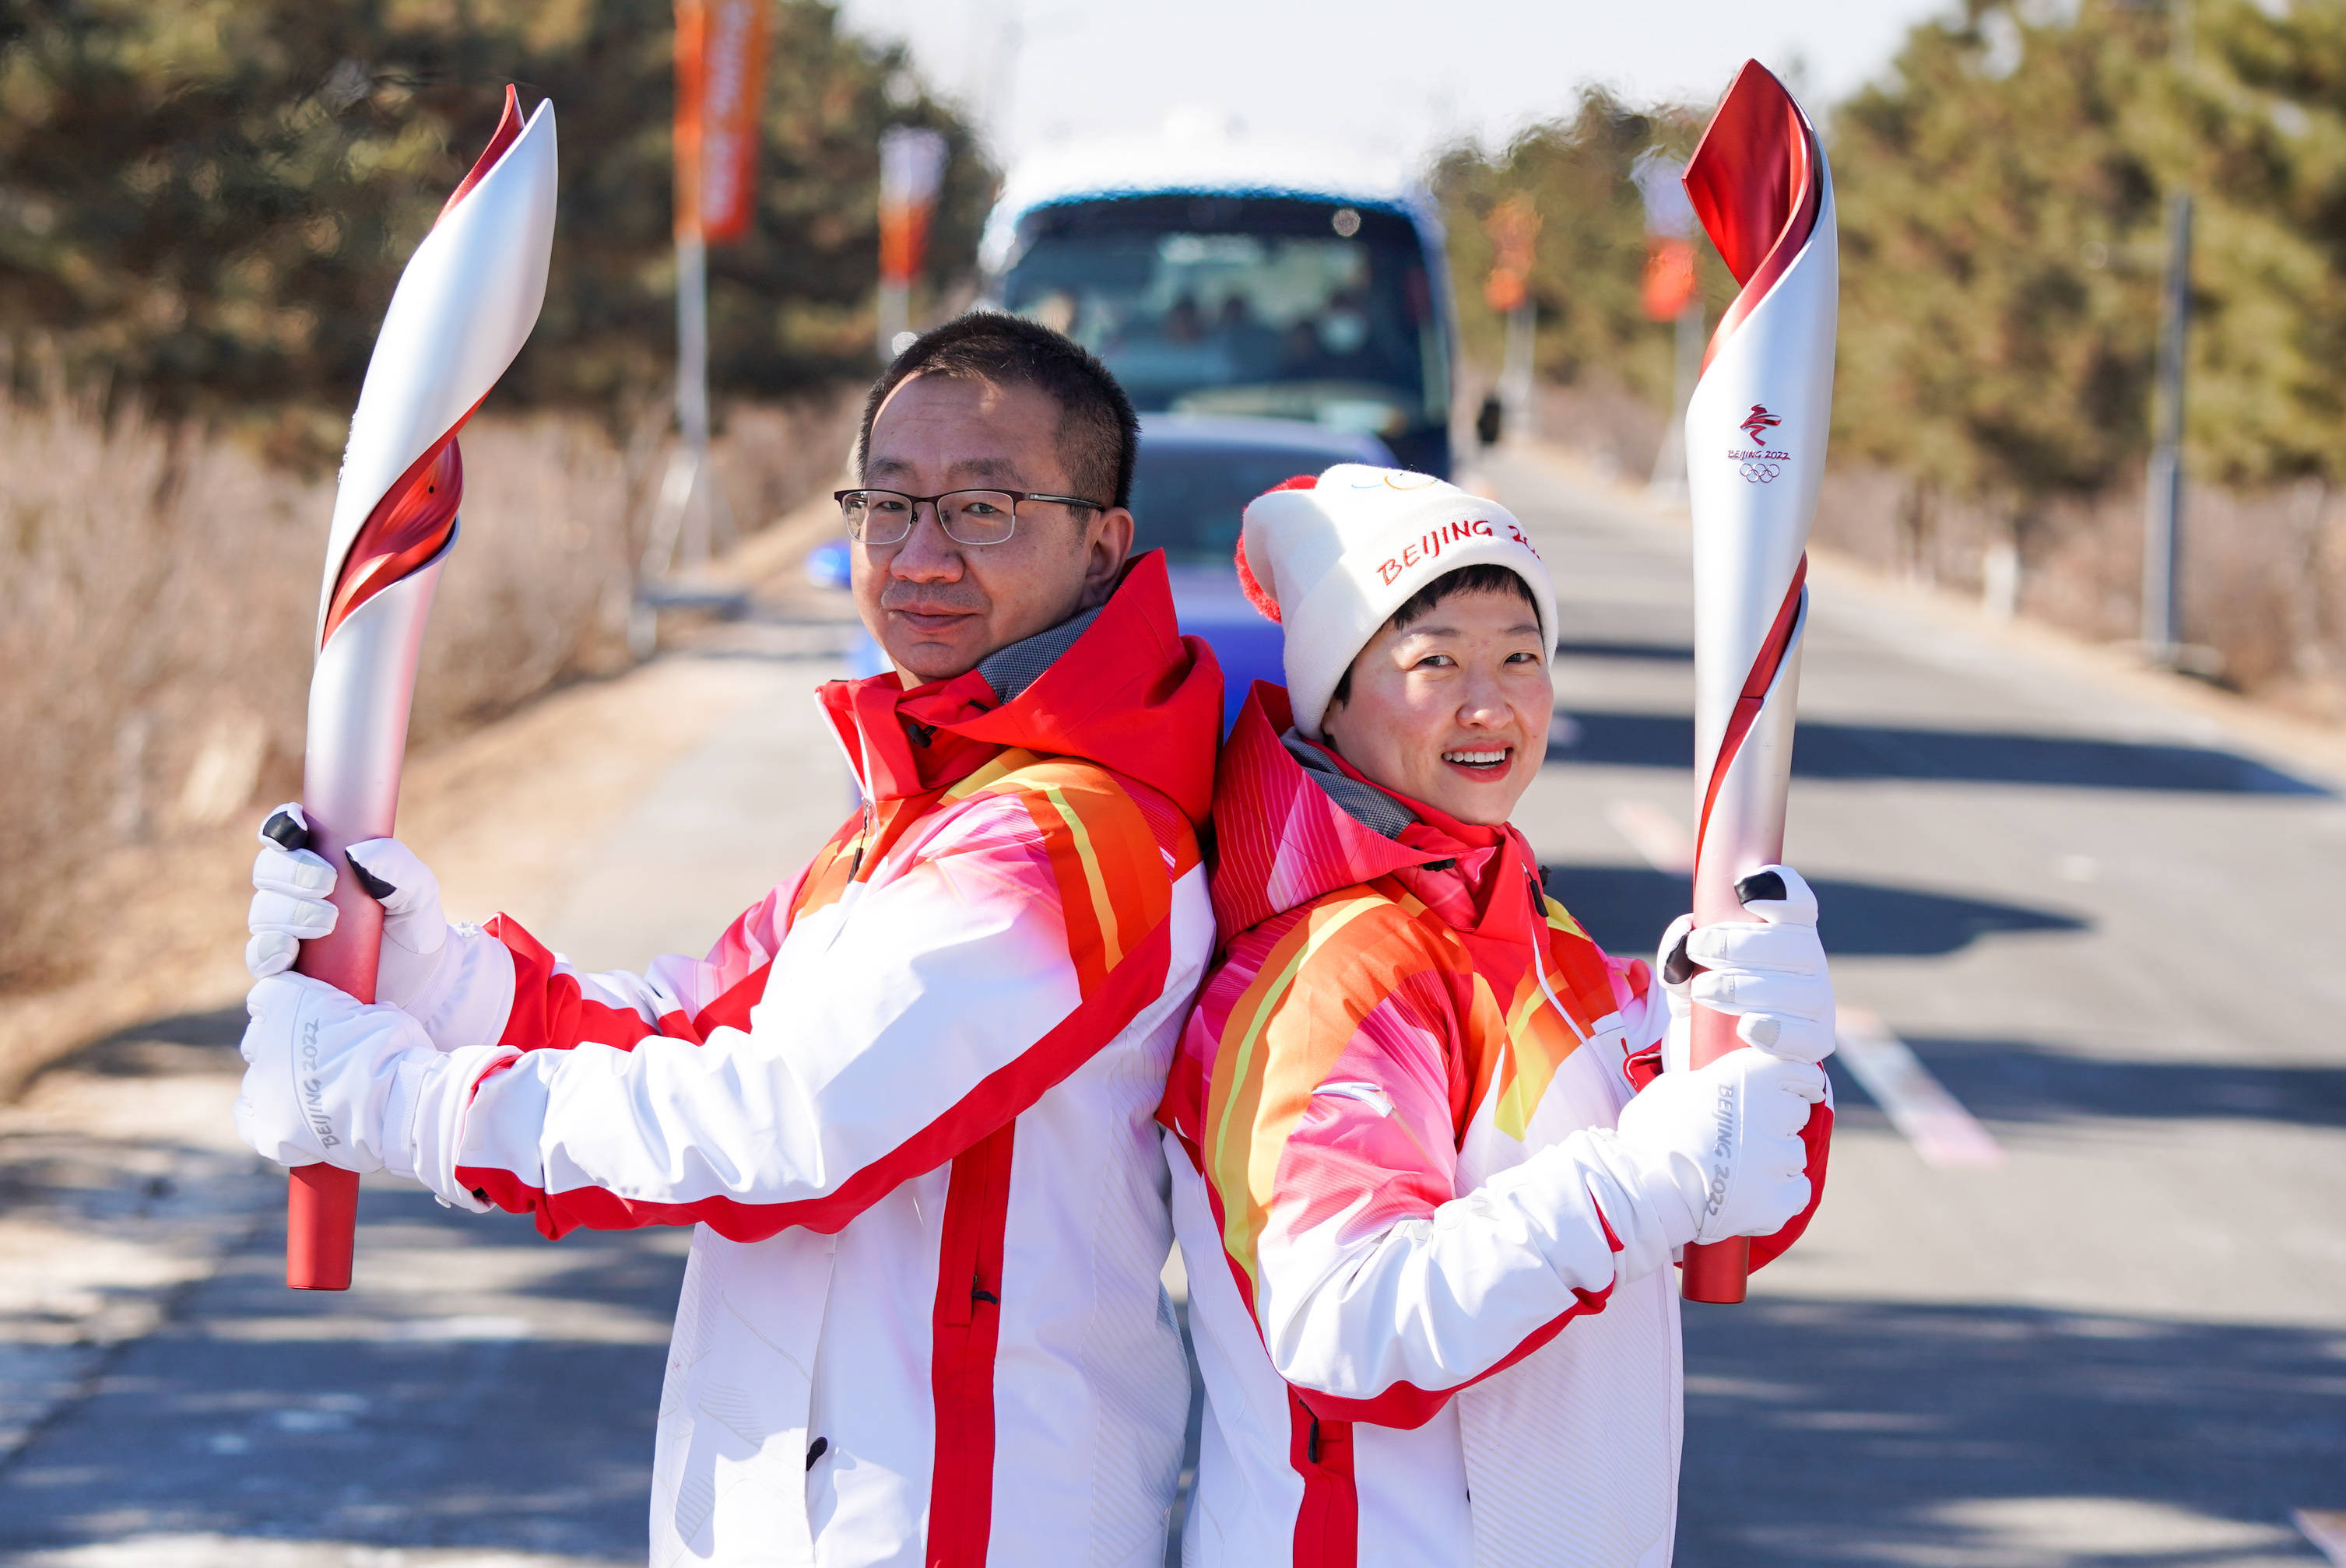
(908, 1098)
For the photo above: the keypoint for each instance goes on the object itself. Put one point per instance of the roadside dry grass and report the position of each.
(158, 592)
(2264, 573)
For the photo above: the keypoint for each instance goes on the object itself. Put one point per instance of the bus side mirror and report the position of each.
(1490, 420)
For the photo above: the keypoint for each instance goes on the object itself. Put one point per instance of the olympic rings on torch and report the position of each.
(1759, 473)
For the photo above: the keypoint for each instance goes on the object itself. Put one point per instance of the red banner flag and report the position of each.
(912, 168)
(1514, 226)
(721, 85)
(1669, 277)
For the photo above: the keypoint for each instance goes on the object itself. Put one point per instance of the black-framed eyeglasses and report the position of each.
(967, 516)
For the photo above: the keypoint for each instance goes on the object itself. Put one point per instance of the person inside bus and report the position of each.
(1428, 1179)
(1184, 324)
(1252, 343)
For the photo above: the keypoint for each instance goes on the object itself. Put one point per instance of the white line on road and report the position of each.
(1943, 1132)
(2326, 1528)
(1655, 833)
(1918, 1104)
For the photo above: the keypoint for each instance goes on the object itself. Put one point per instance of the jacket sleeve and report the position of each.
(497, 984)
(555, 1006)
(1326, 1137)
(894, 1028)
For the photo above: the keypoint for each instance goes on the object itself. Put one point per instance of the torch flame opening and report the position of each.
(408, 527)
(508, 131)
(1757, 182)
(416, 517)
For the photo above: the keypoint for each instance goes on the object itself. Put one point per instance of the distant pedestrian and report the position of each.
(1430, 1182)
(908, 1096)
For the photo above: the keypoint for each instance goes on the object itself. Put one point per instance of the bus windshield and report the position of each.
(1268, 306)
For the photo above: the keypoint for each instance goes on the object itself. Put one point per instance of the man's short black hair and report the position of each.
(1098, 434)
(1483, 578)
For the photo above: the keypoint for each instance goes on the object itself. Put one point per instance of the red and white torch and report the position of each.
(463, 309)
(1755, 440)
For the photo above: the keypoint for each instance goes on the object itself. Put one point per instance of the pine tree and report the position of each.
(209, 200)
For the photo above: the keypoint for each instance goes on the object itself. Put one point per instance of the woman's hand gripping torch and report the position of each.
(1755, 440)
(464, 307)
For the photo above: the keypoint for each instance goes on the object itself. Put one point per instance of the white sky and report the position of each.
(1390, 76)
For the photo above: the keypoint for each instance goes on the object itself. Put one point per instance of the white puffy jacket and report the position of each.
(907, 1102)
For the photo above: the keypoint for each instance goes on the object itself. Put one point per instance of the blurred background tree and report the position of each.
(1589, 264)
(209, 201)
(2001, 196)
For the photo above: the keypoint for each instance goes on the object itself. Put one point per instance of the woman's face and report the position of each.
(1453, 708)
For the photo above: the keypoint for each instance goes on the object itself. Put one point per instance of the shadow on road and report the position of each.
(1626, 909)
(1658, 653)
(1831, 1432)
(181, 1042)
(1829, 750)
(2017, 1081)
(479, 1388)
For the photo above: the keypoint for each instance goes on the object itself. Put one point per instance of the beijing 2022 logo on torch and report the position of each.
(1763, 460)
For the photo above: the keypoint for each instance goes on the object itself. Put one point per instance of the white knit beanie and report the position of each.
(1332, 559)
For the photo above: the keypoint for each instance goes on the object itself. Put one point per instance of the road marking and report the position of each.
(1655, 834)
(2326, 1528)
(1944, 1133)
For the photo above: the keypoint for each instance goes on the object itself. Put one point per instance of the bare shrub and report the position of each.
(2263, 579)
(159, 589)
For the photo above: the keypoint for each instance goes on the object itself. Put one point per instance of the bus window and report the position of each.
(1266, 306)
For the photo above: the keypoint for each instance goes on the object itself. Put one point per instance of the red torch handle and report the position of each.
(1715, 1272)
(322, 1219)
(321, 1201)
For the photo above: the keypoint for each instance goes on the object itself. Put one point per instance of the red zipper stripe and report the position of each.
(967, 1326)
(1327, 1525)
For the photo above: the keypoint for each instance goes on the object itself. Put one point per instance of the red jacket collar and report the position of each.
(1132, 694)
(1282, 840)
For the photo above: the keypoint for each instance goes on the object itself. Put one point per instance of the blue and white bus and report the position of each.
(1219, 276)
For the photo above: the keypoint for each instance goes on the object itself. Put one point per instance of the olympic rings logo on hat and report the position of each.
(1399, 479)
(1758, 472)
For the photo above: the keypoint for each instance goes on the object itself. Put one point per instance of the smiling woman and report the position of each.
(1449, 703)
(1427, 1180)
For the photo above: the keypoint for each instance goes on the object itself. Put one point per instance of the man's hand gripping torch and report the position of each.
(464, 307)
(1755, 440)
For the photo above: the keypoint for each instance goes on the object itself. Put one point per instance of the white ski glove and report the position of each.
(329, 1078)
(457, 981)
(1771, 971)
(1718, 1149)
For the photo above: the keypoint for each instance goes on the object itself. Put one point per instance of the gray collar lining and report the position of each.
(1372, 808)
(1011, 670)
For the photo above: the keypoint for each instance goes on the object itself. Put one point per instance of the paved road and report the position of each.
(2092, 916)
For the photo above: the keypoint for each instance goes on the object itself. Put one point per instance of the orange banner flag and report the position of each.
(720, 88)
(1669, 277)
(912, 170)
(1514, 226)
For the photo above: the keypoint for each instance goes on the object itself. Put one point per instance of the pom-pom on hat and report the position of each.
(1332, 559)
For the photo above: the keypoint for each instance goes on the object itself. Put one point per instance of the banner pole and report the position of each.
(692, 387)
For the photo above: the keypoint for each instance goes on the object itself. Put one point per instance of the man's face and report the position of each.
(939, 606)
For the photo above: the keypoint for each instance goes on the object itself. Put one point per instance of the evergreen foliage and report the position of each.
(210, 200)
(2002, 194)
(1591, 256)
